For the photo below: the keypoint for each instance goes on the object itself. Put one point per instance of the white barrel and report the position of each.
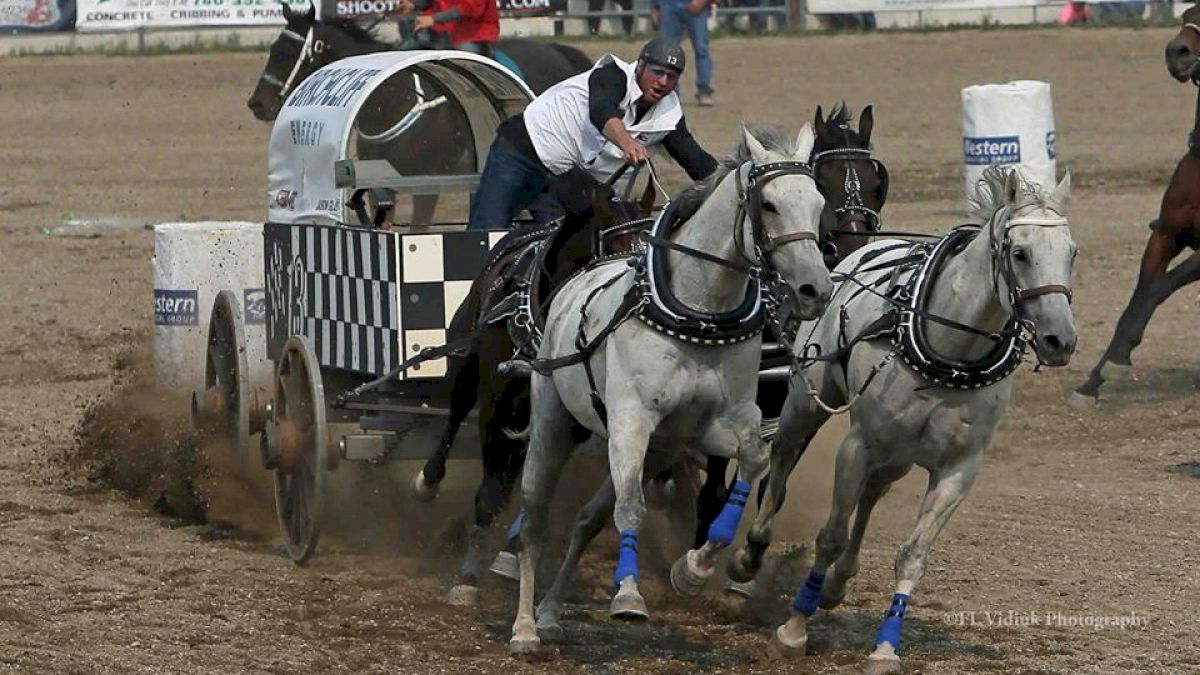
(193, 262)
(1010, 123)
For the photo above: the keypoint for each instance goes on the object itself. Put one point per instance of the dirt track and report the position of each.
(1074, 513)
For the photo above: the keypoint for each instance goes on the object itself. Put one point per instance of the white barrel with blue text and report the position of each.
(1010, 123)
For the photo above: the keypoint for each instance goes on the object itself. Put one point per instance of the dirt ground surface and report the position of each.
(1077, 516)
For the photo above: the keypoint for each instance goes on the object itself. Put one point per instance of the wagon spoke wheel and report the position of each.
(223, 408)
(301, 439)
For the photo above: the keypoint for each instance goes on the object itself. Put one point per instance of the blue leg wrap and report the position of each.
(514, 530)
(892, 623)
(725, 526)
(627, 562)
(808, 598)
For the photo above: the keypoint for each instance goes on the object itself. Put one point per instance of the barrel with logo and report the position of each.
(1011, 123)
(193, 262)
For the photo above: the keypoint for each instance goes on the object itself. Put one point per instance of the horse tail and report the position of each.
(579, 61)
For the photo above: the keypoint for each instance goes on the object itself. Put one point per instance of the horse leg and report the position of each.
(1153, 286)
(791, 639)
(464, 373)
(948, 486)
(502, 461)
(846, 567)
(588, 523)
(629, 429)
(740, 429)
(799, 422)
(549, 446)
(423, 208)
(712, 497)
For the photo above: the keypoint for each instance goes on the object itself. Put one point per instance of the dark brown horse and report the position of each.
(504, 400)
(1176, 229)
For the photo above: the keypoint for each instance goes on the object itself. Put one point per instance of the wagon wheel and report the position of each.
(223, 408)
(296, 447)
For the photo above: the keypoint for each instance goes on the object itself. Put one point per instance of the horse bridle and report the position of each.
(853, 186)
(309, 47)
(1001, 248)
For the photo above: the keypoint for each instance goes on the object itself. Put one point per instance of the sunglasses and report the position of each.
(661, 73)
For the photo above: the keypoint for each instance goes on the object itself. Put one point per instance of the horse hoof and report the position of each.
(739, 569)
(683, 580)
(629, 606)
(744, 589)
(549, 631)
(883, 666)
(505, 565)
(462, 595)
(423, 491)
(525, 648)
(778, 649)
(1078, 401)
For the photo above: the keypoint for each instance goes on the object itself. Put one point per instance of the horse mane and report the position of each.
(772, 138)
(353, 29)
(840, 119)
(988, 197)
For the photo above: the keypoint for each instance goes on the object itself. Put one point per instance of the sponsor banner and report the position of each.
(36, 15)
(850, 6)
(176, 307)
(992, 150)
(353, 9)
(134, 14)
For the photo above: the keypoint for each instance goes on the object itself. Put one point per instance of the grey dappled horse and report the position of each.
(649, 382)
(933, 400)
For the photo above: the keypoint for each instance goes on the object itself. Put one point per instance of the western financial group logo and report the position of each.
(992, 150)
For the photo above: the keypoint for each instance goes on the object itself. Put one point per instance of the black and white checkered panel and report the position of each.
(369, 299)
(436, 275)
(350, 309)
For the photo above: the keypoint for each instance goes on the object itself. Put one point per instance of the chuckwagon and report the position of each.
(356, 307)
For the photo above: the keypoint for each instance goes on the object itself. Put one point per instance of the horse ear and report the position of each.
(286, 9)
(311, 14)
(758, 154)
(804, 143)
(819, 118)
(1012, 185)
(866, 122)
(1061, 197)
(646, 203)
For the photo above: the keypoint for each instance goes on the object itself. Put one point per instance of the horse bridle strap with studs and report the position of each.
(1000, 247)
(750, 206)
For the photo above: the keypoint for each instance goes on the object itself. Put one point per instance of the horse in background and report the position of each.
(536, 261)
(437, 141)
(919, 345)
(1177, 228)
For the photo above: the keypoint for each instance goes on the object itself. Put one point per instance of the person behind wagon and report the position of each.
(470, 25)
(595, 122)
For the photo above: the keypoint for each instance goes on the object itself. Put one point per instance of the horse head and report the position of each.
(305, 45)
(1183, 51)
(854, 183)
(1033, 259)
(619, 221)
(784, 207)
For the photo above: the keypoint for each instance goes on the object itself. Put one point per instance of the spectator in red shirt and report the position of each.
(472, 25)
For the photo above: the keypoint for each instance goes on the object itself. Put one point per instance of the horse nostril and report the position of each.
(1054, 342)
(1176, 51)
(807, 292)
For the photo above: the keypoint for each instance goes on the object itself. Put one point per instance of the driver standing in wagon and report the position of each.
(595, 122)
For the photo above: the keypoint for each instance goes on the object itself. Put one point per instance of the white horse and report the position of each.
(965, 307)
(684, 373)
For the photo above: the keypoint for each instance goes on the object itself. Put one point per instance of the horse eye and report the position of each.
(1020, 255)
(769, 207)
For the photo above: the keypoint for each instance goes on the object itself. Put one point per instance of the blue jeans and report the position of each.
(511, 181)
(675, 18)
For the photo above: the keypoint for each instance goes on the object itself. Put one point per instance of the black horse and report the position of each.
(438, 142)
